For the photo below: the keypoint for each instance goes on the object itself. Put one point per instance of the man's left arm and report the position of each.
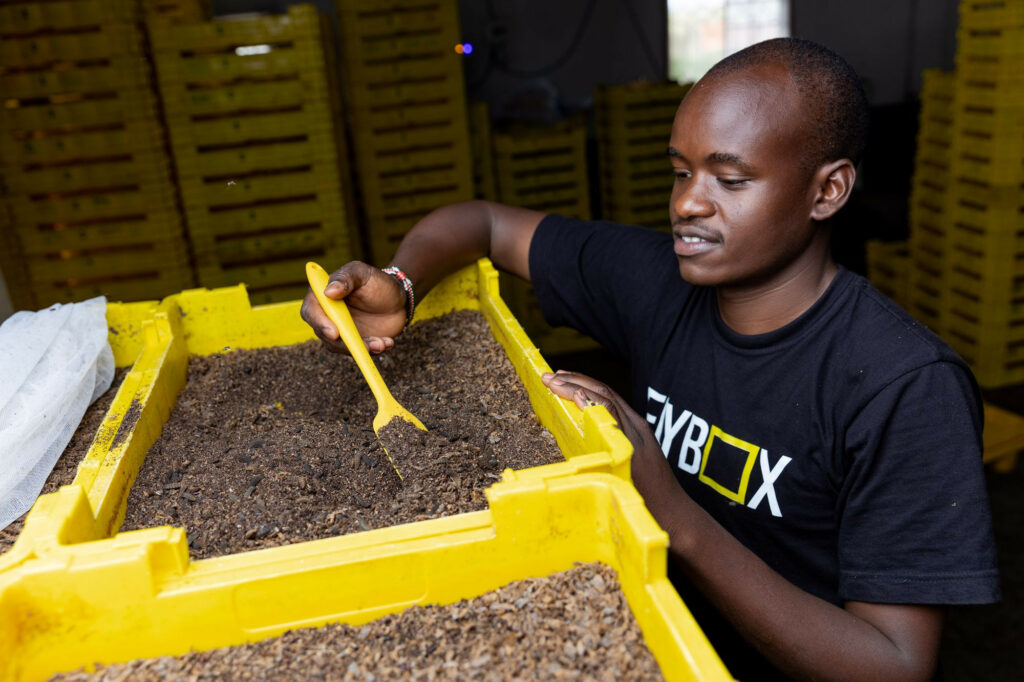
(804, 636)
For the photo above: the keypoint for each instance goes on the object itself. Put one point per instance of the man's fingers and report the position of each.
(316, 318)
(379, 344)
(580, 389)
(347, 279)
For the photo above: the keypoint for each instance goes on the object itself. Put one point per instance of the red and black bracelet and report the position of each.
(406, 284)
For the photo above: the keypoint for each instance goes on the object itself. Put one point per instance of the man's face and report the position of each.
(741, 201)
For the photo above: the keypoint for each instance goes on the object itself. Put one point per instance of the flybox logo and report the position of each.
(719, 460)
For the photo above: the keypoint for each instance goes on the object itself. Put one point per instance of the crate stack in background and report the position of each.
(82, 155)
(543, 168)
(258, 146)
(889, 268)
(12, 264)
(929, 212)
(406, 104)
(482, 151)
(985, 265)
(634, 122)
(176, 10)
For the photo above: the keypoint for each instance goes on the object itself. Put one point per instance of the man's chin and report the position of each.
(697, 276)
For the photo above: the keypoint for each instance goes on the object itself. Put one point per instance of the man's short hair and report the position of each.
(830, 89)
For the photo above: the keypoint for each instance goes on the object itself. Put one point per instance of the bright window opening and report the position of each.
(701, 32)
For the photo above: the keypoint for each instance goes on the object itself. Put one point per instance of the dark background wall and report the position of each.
(889, 42)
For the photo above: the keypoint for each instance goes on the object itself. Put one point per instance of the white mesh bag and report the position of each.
(53, 364)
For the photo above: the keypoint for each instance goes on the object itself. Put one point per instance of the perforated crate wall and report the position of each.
(82, 153)
(257, 141)
(405, 97)
(634, 123)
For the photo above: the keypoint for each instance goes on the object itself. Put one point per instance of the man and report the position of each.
(812, 452)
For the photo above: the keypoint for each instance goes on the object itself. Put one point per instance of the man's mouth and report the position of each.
(693, 242)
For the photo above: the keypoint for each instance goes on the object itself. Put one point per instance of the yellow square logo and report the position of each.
(731, 461)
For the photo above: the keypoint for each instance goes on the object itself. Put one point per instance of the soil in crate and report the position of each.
(67, 465)
(272, 446)
(571, 625)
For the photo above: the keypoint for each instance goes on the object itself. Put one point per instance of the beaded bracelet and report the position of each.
(406, 284)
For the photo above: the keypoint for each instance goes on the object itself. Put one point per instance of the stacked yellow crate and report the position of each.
(543, 168)
(176, 10)
(889, 268)
(12, 265)
(634, 122)
(259, 152)
(483, 152)
(82, 154)
(405, 99)
(929, 212)
(985, 266)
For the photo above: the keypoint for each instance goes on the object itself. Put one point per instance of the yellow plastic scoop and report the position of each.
(387, 407)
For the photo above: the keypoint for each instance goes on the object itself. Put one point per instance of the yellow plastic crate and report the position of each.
(1003, 438)
(425, 43)
(988, 14)
(988, 67)
(109, 205)
(421, 201)
(88, 43)
(389, 17)
(653, 216)
(311, 208)
(454, 173)
(483, 157)
(116, 170)
(138, 596)
(310, 117)
(123, 137)
(227, 161)
(404, 91)
(272, 273)
(206, 321)
(313, 179)
(116, 107)
(27, 16)
(142, 258)
(888, 268)
(300, 22)
(185, 103)
(411, 113)
(447, 127)
(176, 10)
(46, 239)
(1001, 40)
(386, 161)
(141, 286)
(226, 67)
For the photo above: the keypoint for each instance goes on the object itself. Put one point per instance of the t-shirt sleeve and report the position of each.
(915, 522)
(596, 277)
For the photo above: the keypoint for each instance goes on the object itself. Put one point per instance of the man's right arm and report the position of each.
(442, 242)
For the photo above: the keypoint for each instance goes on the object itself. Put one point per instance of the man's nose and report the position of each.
(690, 200)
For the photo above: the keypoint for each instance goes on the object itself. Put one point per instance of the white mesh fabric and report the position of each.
(53, 364)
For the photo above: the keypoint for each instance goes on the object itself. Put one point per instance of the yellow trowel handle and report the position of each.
(338, 313)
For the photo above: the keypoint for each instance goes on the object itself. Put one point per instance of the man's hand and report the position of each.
(376, 301)
(651, 472)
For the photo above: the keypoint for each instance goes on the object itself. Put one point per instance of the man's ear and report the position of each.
(834, 183)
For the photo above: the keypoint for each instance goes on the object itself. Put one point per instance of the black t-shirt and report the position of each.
(844, 449)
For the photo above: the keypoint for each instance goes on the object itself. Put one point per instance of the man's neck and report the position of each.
(765, 308)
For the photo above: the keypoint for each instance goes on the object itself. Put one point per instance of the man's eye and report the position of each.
(680, 173)
(732, 182)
